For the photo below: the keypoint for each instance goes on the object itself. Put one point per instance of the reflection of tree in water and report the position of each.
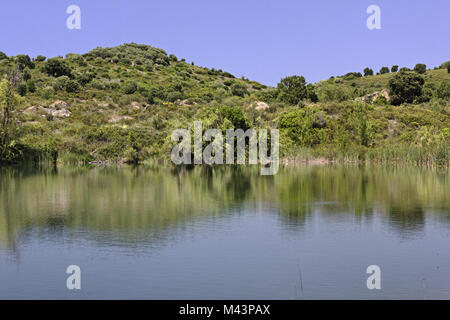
(407, 218)
(144, 204)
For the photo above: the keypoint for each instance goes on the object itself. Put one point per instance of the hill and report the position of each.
(121, 104)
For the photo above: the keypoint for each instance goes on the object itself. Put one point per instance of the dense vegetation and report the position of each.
(121, 104)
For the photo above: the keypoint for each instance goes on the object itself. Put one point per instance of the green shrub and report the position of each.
(384, 70)
(72, 86)
(443, 91)
(23, 61)
(40, 58)
(238, 89)
(368, 72)
(129, 87)
(420, 68)
(292, 89)
(56, 67)
(31, 86)
(405, 87)
(60, 83)
(22, 89)
(394, 68)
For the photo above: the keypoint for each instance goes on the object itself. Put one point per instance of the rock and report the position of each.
(116, 118)
(136, 105)
(33, 109)
(373, 96)
(259, 105)
(58, 104)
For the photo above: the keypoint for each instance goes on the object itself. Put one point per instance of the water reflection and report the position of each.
(144, 204)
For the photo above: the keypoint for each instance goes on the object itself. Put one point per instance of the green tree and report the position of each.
(420, 68)
(368, 72)
(56, 67)
(292, 89)
(384, 70)
(394, 68)
(23, 61)
(8, 101)
(405, 87)
(40, 58)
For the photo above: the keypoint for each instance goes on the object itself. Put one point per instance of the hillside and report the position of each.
(121, 104)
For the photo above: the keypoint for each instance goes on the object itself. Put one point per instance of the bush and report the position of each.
(60, 83)
(405, 69)
(72, 86)
(22, 89)
(85, 78)
(292, 89)
(31, 86)
(443, 91)
(448, 68)
(3, 56)
(236, 116)
(40, 58)
(129, 87)
(47, 93)
(24, 61)
(394, 68)
(368, 72)
(239, 90)
(384, 70)
(56, 67)
(405, 87)
(420, 68)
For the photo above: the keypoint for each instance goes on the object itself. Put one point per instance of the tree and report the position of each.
(56, 67)
(8, 101)
(24, 61)
(420, 68)
(394, 68)
(3, 56)
(130, 87)
(405, 87)
(368, 72)
(448, 68)
(292, 89)
(40, 58)
(384, 70)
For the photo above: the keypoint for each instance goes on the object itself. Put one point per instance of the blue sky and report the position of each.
(264, 40)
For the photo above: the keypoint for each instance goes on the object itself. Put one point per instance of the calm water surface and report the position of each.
(308, 232)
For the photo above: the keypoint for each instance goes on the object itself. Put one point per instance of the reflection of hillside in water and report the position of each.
(135, 205)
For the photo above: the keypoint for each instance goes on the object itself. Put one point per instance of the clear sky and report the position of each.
(263, 40)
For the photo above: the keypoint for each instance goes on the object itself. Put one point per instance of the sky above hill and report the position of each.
(263, 40)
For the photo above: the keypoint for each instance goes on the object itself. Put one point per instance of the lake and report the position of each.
(309, 232)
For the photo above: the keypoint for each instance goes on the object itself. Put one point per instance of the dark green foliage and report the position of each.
(23, 61)
(405, 87)
(394, 68)
(173, 58)
(129, 87)
(22, 89)
(3, 56)
(311, 93)
(384, 70)
(72, 86)
(238, 89)
(420, 68)
(40, 58)
(56, 67)
(368, 72)
(443, 91)
(26, 75)
(236, 116)
(292, 89)
(85, 78)
(448, 68)
(31, 86)
(405, 69)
